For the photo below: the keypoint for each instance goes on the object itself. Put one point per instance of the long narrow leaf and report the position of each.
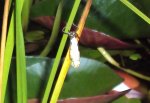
(8, 55)
(60, 51)
(55, 31)
(67, 62)
(25, 14)
(20, 56)
(112, 61)
(135, 10)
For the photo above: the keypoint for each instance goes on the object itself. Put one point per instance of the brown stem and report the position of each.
(3, 42)
(83, 17)
(67, 62)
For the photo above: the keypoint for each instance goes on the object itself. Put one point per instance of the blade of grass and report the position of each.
(25, 14)
(67, 61)
(20, 56)
(135, 10)
(3, 42)
(60, 51)
(112, 61)
(8, 55)
(108, 56)
(54, 33)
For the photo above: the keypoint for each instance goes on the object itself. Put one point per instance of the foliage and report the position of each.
(113, 48)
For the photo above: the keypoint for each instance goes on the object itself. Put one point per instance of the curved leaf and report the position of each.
(94, 99)
(89, 37)
(107, 98)
(93, 38)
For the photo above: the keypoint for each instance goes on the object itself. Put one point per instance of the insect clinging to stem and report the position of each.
(74, 49)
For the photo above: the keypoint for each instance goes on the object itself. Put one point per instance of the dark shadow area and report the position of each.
(1, 13)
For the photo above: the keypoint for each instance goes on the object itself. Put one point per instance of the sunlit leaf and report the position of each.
(20, 55)
(135, 56)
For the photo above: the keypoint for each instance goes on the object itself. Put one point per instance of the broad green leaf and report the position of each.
(45, 7)
(37, 74)
(92, 78)
(127, 100)
(113, 18)
(91, 53)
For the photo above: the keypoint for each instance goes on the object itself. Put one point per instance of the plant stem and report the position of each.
(54, 33)
(3, 42)
(135, 10)
(145, 47)
(60, 51)
(67, 62)
(109, 58)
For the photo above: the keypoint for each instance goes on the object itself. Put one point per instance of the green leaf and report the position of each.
(92, 78)
(37, 73)
(112, 17)
(55, 31)
(91, 53)
(45, 7)
(8, 55)
(20, 55)
(127, 100)
(60, 50)
(136, 11)
(25, 14)
(38, 70)
(34, 36)
(135, 56)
